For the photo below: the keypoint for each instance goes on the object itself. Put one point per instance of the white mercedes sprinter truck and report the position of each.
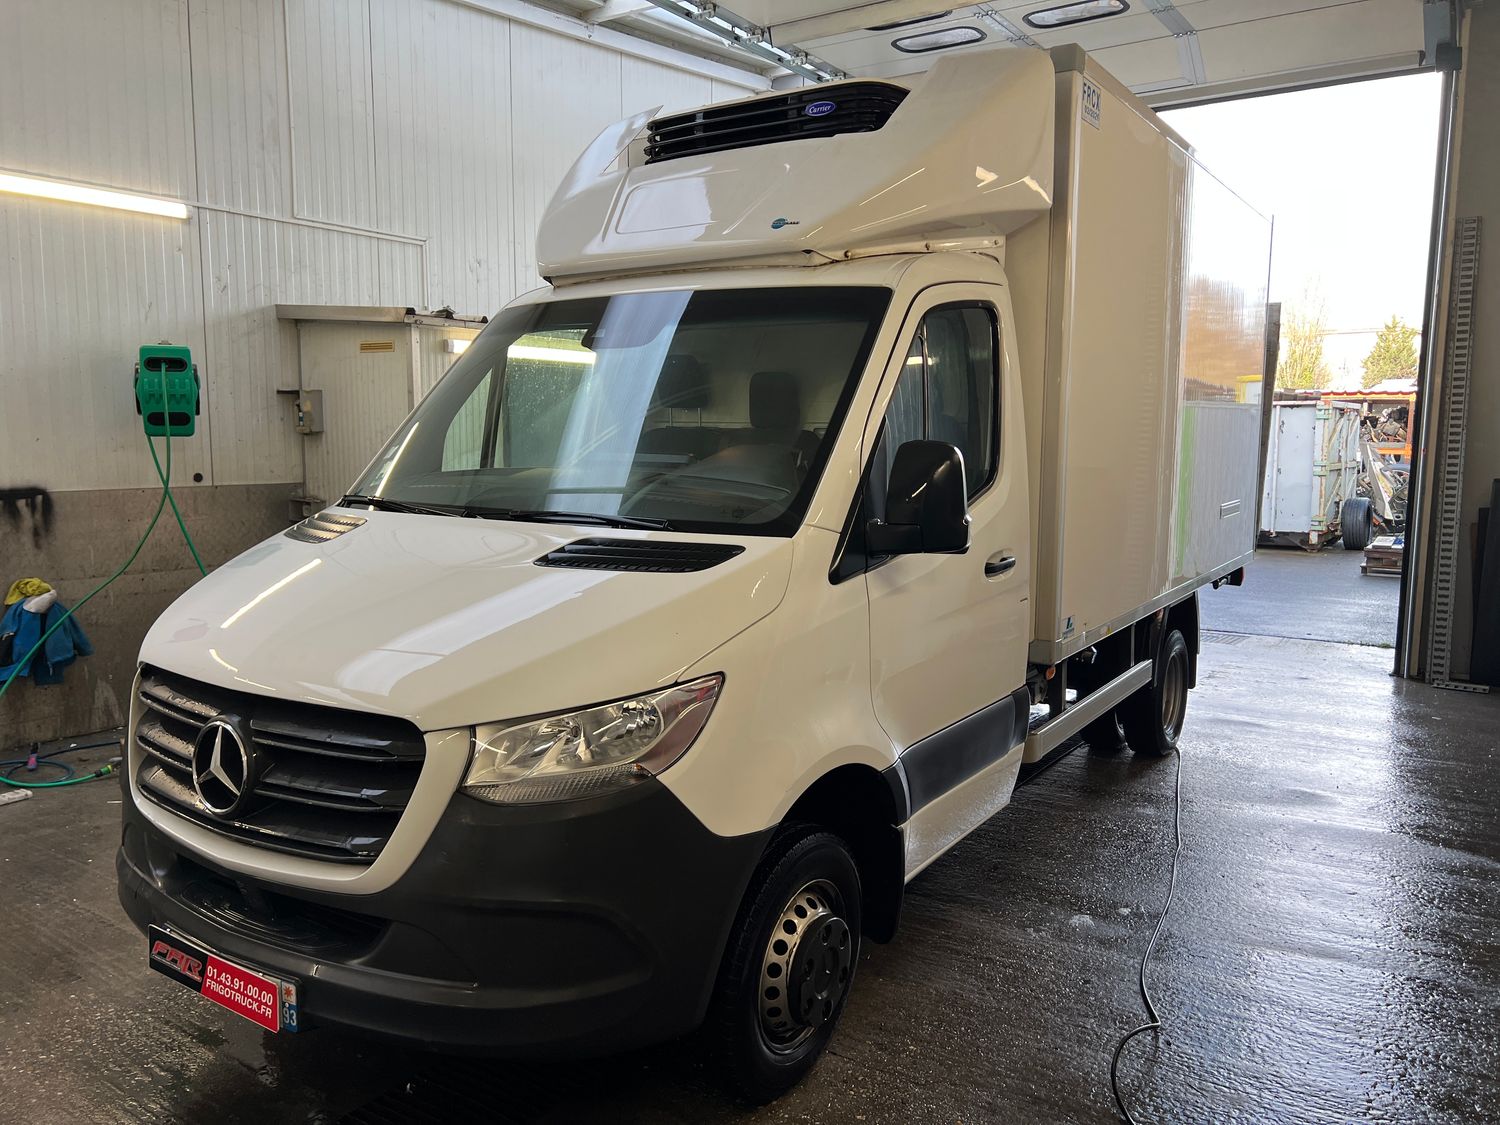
(870, 441)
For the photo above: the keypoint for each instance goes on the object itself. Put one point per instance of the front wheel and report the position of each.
(788, 967)
(1153, 716)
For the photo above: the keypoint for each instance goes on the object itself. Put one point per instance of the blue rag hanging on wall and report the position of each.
(20, 629)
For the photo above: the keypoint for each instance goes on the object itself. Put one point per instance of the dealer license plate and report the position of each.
(268, 1001)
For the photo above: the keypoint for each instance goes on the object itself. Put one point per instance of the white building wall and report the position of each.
(80, 290)
(332, 111)
(394, 152)
(240, 106)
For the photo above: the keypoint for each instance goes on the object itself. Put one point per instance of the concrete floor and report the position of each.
(1289, 592)
(1334, 954)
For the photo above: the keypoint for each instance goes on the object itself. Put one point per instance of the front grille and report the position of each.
(653, 555)
(327, 784)
(856, 107)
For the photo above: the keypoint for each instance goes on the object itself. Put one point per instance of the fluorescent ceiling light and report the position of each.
(937, 40)
(96, 197)
(554, 355)
(1064, 14)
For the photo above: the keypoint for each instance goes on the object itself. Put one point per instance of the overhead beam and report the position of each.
(612, 10)
(1014, 33)
(574, 28)
(753, 40)
(1189, 54)
(1384, 66)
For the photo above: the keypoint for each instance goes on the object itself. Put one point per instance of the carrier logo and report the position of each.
(819, 109)
(777, 224)
(190, 967)
(223, 767)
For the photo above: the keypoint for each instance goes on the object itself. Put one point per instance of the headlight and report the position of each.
(582, 753)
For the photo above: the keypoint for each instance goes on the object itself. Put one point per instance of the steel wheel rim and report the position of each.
(806, 967)
(1174, 696)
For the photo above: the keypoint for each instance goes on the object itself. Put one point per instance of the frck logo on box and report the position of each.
(1092, 103)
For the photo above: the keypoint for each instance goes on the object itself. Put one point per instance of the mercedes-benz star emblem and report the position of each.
(222, 767)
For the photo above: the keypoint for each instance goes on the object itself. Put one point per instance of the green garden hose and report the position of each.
(172, 500)
(103, 771)
(165, 476)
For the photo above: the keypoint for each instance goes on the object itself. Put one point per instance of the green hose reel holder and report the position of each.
(178, 405)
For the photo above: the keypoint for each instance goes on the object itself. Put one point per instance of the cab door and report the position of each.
(948, 632)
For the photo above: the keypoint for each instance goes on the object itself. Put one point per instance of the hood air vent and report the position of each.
(323, 527)
(818, 111)
(653, 555)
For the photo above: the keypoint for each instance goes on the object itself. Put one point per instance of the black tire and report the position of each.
(1153, 716)
(1104, 735)
(1356, 522)
(797, 937)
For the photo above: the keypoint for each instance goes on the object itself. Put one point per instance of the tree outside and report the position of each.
(1302, 366)
(1394, 355)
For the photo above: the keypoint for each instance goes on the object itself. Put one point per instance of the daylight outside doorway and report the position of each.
(1347, 173)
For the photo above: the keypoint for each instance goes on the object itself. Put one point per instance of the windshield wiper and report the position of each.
(548, 515)
(536, 515)
(386, 504)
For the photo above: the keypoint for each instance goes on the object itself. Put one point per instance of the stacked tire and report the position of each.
(1356, 523)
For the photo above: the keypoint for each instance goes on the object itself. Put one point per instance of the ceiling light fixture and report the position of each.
(1080, 12)
(938, 40)
(908, 23)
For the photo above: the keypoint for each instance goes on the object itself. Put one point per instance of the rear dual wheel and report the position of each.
(1102, 734)
(1152, 717)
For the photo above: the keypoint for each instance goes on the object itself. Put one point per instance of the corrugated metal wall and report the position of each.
(393, 152)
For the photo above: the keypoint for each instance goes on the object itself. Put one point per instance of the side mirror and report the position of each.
(926, 507)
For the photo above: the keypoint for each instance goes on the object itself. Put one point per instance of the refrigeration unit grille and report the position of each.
(819, 111)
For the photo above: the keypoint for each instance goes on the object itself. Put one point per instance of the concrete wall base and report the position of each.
(88, 535)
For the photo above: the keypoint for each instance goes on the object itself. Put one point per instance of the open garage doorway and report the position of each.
(1347, 171)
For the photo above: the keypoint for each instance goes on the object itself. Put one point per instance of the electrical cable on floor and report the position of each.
(165, 476)
(1155, 1018)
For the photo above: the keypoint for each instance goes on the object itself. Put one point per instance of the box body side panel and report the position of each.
(1145, 440)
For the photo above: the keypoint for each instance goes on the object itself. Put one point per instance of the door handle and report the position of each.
(998, 564)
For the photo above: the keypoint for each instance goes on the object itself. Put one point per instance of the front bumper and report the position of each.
(575, 928)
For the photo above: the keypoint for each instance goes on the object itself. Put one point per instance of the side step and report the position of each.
(1054, 732)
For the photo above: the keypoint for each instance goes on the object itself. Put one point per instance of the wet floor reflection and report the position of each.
(1332, 957)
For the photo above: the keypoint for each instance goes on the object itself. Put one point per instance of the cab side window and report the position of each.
(947, 391)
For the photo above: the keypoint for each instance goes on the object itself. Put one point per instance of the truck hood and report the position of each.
(448, 621)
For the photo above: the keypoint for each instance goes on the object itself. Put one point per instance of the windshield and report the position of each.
(704, 410)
